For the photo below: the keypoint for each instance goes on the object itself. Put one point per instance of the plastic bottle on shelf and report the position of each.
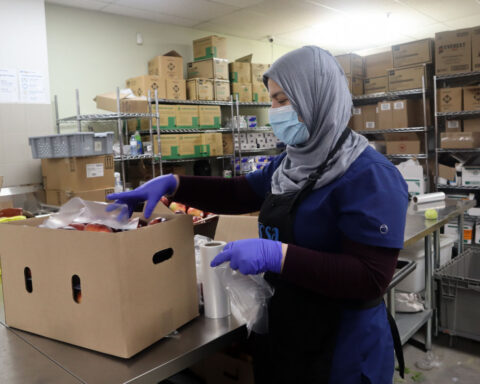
(138, 139)
(118, 183)
(133, 146)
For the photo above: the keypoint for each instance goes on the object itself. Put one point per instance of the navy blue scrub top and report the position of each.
(367, 204)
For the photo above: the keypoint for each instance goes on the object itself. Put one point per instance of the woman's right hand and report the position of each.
(151, 192)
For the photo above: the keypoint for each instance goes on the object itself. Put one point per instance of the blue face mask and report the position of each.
(285, 125)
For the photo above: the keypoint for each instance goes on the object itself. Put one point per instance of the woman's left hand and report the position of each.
(252, 256)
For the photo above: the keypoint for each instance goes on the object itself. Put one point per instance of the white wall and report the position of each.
(23, 45)
(96, 52)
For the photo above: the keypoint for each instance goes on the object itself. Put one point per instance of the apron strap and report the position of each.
(397, 345)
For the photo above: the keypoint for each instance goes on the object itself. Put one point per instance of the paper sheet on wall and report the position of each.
(8, 86)
(33, 87)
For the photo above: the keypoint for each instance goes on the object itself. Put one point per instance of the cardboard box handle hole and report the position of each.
(28, 279)
(76, 289)
(162, 256)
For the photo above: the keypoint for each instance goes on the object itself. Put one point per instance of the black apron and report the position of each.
(303, 325)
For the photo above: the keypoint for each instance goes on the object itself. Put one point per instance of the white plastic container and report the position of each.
(415, 281)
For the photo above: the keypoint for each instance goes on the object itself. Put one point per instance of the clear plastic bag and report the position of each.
(82, 211)
(249, 296)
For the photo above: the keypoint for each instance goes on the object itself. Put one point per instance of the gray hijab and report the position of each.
(317, 88)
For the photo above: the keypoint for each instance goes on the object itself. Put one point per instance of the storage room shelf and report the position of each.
(107, 116)
(142, 157)
(409, 323)
(459, 114)
(396, 130)
(128, 157)
(459, 187)
(374, 97)
(204, 102)
(407, 156)
(195, 130)
(260, 150)
(458, 150)
(464, 75)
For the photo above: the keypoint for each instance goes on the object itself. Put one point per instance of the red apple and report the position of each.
(165, 201)
(174, 206)
(97, 228)
(157, 220)
(195, 212)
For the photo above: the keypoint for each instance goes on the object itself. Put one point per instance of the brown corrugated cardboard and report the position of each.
(209, 69)
(460, 140)
(209, 116)
(127, 303)
(257, 71)
(375, 85)
(210, 47)
(471, 98)
(476, 49)
(243, 91)
(187, 116)
(260, 93)
(142, 84)
(385, 115)
(407, 78)
(471, 125)
(188, 143)
(221, 90)
(167, 119)
(370, 117)
(78, 173)
(108, 102)
(200, 89)
(60, 197)
(169, 144)
(214, 141)
(449, 99)
(378, 64)
(402, 147)
(453, 52)
(357, 119)
(412, 53)
(227, 143)
(239, 72)
(352, 64)
(169, 66)
(176, 89)
(408, 113)
(453, 126)
(355, 85)
(448, 173)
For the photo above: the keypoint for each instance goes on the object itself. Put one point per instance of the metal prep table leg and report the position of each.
(436, 264)
(391, 301)
(460, 233)
(428, 289)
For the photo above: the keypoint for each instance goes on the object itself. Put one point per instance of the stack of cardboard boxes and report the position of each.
(353, 66)
(190, 145)
(246, 80)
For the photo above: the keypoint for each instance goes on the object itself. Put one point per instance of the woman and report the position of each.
(331, 223)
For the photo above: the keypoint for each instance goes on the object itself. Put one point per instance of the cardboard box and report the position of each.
(407, 78)
(169, 144)
(78, 173)
(227, 143)
(412, 53)
(221, 90)
(239, 72)
(375, 85)
(357, 123)
(257, 71)
(192, 145)
(60, 197)
(200, 89)
(385, 115)
(352, 64)
(450, 99)
(355, 85)
(471, 125)
(142, 84)
(453, 52)
(471, 98)
(476, 49)
(370, 117)
(460, 140)
(209, 69)
(378, 64)
(243, 91)
(169, 66)
(176, 89)
(470, 176)
(454, 126)
(128, 104)
(408, 113)
(167, 113)
(214, 143)
(186, 116)
(403, 147)
(260, 93)
(209, 116)
(127, 303)
(447, 173)
(210, 47)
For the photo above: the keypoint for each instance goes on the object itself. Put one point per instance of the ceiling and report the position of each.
(361, 26)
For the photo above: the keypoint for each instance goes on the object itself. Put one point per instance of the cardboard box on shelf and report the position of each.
(209, 116)
(378, 64)
(209, 69)
(214, 143)
(169, 145)
(176, 89)
(355, 85)
(470, 176)
(411, 146)
(78, 173)
(60, 197)
(375, 85)
(243, 91)
(460, 140)
(104, 318)
(471, 98)
(186, 116)
(140, 85)
(200, 89)
(453, 52)
(447, 173)
(450, 99)
(128, 104)
(257, 71)
(378, 145)
(476, 49)
(409, 113)
(370, 117)
(412, 53)
(239, 72)
(403, 79)
(192, 145)
(357, 123)
(210, 47)
(227, 143)
(169, 66)
(167, 114)
(221, 90)
(471, 125)
(453, 126)
(385, 115)
(260, 93)
(352, 64)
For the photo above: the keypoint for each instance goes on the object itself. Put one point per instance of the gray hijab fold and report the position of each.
(317, 88)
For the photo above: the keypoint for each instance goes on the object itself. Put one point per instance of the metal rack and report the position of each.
(375, 97)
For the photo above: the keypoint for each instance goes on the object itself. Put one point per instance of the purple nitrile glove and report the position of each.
(151, 192)
(252, 256)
